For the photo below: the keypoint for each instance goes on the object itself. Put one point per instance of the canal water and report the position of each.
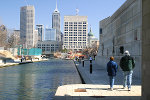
(36, 81)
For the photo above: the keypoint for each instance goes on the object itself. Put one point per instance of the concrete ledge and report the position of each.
(96, 91)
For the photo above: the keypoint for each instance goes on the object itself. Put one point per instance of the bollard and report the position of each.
(21, 59)
(90, 68)
(83, 63)
(4, 61)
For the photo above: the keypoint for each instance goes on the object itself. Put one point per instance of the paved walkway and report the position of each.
(99, 75)
(97, 85)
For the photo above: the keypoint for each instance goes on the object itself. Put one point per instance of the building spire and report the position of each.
(90, 29)
(90, 33)
(56, 9)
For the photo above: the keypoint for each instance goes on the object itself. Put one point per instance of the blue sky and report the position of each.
(96, 10)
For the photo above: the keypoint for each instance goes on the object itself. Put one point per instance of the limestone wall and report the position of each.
(146, 50)
(122, 30)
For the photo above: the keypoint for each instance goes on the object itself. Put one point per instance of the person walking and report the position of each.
(127, 65)
(112, 70)
(90, 59)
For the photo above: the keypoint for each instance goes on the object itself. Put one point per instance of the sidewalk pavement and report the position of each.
(99, 75)
(97, 85)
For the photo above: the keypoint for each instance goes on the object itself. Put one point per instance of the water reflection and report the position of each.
(36, 81)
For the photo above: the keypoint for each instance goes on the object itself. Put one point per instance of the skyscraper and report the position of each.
(56, 23)
(27, 20)
(40, 29)
(75, 32)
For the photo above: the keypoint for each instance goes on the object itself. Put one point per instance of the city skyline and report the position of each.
(95, 11)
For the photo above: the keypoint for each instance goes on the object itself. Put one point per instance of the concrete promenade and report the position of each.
(99, 75)
(97, 84)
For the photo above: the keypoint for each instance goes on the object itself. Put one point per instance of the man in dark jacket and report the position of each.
(112, 69)
(127, 65)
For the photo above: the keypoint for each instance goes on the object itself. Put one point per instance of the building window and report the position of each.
(66, 38)
(79, 44)
(66, 22)
(70, 22)
(70, 38)
(79, 33)
(70, 28)
(121, 49)
(84, 38)
(84, 27)
(100, 30)
(75, 38)
(75, 33)
(135, 35)
(66, 28)
(84, 22)
(79, 22)
(79, 28)
(75, 22)
(70, 33)
(75, 28)
(79, 39)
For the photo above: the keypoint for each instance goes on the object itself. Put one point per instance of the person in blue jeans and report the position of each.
(127, 65)
(112, 70)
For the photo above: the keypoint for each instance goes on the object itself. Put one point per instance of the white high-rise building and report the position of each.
(56, 23)
(27, 21)
(40, 29)
(75, 32)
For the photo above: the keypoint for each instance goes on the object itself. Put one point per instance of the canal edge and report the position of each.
(19, 63)
(83, 75)
(83, 81)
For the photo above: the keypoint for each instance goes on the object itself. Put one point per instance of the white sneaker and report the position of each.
(111, 89)
(123, 87)
(129, 89)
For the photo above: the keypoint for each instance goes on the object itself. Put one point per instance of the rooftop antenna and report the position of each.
(90, 28)
(26, 2)
(77, 11)
(56, 5)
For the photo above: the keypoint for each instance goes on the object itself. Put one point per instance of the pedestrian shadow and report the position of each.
(97, 88)
(117, 89)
